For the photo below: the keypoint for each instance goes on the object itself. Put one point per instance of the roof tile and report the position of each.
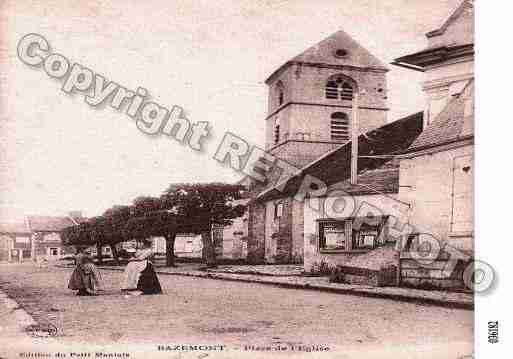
(49, 223)
(453, 123)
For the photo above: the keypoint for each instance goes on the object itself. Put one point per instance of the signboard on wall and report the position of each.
(335, 235)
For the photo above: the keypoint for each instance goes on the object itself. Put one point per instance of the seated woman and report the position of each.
(86, 277)
(140, 276)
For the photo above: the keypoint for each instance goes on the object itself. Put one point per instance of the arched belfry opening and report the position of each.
(340, 87)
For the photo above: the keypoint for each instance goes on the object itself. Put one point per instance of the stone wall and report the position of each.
(304, 83)
(256, 233)
(298, 233)
(278, 232)
(354, 206)
(433, 275)
(439, 186)
(6, 244)
(275, 240)
(235, 238)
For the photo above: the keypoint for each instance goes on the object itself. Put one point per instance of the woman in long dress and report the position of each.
(86, 277)
(140, 276)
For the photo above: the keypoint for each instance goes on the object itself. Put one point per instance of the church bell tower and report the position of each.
(312, 99)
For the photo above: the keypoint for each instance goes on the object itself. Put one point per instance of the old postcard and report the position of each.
(239, 179)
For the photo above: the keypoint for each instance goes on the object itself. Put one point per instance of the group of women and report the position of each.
(139, 276)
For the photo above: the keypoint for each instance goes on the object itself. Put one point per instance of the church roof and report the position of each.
(384, 179)
(335, 166)
(454, 123)
(350, 54)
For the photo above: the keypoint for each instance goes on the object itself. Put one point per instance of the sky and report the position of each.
(58, 154)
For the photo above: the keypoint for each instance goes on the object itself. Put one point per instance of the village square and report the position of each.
(317, 248)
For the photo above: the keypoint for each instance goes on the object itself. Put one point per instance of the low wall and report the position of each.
(434, 275)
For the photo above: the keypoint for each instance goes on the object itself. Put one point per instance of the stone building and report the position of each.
(46, 235)
(15, 241)
(357, 233)
(234, 243)
(437, 170)
(230, 242)
(36, 238)
(331, 204)
(311, 104)
(447, 61)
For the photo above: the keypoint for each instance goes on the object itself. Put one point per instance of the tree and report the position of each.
(79, 234)
(90, 233)
(154, 217)
(191, 208)
(114, 222)
(100, 231)
(146, 218)
(160, 223)
(203, 205)
(157, 217)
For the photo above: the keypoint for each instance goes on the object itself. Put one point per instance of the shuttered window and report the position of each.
(339, 89)
(340, 130)
(276, 134)
(332, 90)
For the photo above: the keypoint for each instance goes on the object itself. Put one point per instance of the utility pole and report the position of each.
(354, 139)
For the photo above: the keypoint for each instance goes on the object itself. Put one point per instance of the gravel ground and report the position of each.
(194, 310)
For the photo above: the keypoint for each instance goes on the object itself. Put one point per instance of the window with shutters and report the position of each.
(352, 234)
(276, 134)
(340, 127)
(278, 210)
(339, 88)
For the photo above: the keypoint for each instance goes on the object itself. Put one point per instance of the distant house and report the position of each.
(106, 251)
(188, 245)
(37, 238)
(230, 242)
(46, 235)
(15, 241)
